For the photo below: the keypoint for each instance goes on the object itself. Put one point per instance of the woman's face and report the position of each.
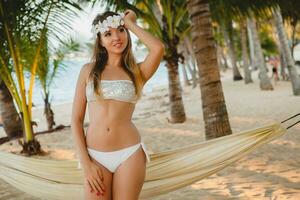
(115, 39)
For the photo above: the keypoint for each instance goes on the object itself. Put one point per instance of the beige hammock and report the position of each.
(167, 171)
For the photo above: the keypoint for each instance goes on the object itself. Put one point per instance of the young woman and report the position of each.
(111, 152)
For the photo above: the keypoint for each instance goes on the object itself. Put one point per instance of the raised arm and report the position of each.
(155, 46)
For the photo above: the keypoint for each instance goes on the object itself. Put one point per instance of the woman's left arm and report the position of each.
(155, 47)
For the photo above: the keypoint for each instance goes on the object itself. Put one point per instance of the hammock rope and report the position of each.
(286, 120)
(167, 171)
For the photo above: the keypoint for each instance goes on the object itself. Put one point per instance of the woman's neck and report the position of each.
(114, 60)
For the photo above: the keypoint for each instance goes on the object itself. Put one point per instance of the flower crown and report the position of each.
(111, 21)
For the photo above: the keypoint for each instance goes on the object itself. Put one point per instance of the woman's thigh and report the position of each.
(107, 176)
(129, 177)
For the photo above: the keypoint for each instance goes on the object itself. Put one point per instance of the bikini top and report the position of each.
(122, 90)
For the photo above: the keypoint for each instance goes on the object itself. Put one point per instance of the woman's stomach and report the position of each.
(111, 135)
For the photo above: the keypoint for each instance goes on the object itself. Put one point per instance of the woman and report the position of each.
(111, 152)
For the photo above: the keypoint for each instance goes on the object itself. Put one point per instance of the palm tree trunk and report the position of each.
(184, 61)
(213, 101)
(245, 55)
(283, 66)
(185, 76)
(175, 91)
(265, 83)
(225, 60)
(232, 54)
(49, 113)
(283, 63)
(293, 74)
(194, 75)
(190, 52)
(220, 58)
(192, 72)
(253, 59)
(12, 122)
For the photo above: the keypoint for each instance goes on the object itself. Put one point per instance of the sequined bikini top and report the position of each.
(122, 90)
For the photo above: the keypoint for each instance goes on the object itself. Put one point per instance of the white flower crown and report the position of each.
(111, 21)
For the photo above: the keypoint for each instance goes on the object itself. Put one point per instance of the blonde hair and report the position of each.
(100, 57)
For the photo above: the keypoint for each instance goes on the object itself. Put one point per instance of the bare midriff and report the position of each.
(110, 126)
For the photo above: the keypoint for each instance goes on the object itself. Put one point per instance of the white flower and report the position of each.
(110, 21)
(115, 21)
(104, 23)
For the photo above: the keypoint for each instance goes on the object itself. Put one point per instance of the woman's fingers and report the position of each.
(100, 185)
(89, 186)
(97, 185)
(101, 178)
(130, 14)
(93, 186)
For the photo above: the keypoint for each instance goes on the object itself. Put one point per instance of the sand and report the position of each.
(270, 172)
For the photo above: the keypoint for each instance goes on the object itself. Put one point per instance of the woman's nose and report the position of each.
(115, 36)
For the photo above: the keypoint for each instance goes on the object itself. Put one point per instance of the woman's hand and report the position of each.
(94, 178)
(129, 17)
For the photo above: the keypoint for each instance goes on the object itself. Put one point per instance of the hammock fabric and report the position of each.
(167, 171)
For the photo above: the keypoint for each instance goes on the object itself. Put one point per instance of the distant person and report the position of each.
(274, 61)
(111, 152)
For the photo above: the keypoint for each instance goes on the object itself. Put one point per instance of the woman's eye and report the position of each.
(107, 34)
(121, 29)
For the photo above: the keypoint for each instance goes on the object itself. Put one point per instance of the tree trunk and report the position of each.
(265, 83)
(293, 74)
(185, 76)
(220, 58)
(253, 59)
(283, 63)
(213, 102)
(175, 91)
(190, 52)
(283, 66)
(225, 60)
(184, 60)
(49, 113)
(11, 120)
(193, 74)
(245, 55)
(232, 54)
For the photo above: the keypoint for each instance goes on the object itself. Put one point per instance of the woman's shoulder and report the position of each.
(87, 67)
(86, 70)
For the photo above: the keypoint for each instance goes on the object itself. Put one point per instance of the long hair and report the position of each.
(100, 57)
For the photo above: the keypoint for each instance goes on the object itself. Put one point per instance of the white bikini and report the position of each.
(121, 90)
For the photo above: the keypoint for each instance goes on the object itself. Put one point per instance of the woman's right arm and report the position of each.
(77, 119)
(92, 172)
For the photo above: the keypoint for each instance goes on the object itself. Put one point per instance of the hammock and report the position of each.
(167, 171)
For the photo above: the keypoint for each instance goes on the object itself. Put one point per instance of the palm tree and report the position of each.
(12, 123)
(225, 18)
(24, 27)
(191, 59)
(263, 8)
(48, 71)
(245, 55)
(213, 101)
(253, 59)
(265, 83)
(286, 51)
(227, 30)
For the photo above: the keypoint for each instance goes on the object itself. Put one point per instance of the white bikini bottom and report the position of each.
(113, 159)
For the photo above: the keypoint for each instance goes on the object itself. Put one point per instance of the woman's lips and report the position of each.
(118, 44)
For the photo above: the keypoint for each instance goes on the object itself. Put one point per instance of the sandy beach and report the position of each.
(270, 172)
